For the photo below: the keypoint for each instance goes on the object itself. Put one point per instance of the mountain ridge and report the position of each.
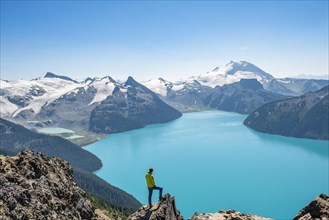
(306, 116)
(242, 97)
(165, 209)
(52, 75)
(134, 108)
(59, 101)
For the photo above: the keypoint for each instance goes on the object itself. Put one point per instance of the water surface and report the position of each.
(210, 161)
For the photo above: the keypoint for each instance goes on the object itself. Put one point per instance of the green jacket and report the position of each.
(150, 180)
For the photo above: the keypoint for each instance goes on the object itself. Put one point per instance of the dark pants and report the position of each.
(151, 192)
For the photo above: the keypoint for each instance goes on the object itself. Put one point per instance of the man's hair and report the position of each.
(151, 170)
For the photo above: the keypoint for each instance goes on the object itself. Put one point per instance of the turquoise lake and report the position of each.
(210, 161)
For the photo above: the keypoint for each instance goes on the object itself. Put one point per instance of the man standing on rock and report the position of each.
(151, 186)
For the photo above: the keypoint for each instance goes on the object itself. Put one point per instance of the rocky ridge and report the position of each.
(165, 209)
(134, 107)
(317, 209)
(59, 101)
(226, 215)
(33, 186)
(306, 116)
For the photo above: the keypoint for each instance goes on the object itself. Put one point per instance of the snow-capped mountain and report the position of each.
(133, 108)
(62, 102)
(184, 95)
(230, 73)
(21, 96)
(233, 72)
(190, 94)
(159, 86)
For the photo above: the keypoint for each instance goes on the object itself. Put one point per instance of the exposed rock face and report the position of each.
(226, 215)
(165, 209)
(306, 116)
(19, 100)
(317, 209)
(33, 186)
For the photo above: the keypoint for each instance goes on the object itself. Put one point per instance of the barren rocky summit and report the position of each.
(33, 186)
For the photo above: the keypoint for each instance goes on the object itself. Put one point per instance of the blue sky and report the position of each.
(171, 39)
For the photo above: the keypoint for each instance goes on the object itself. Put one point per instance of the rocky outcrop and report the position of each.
(226, 215)
(317, 209)
(165, 209)
(33, 186)
(306, 116)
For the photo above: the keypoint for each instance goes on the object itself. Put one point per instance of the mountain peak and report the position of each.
(131, 82)
(52, 75)
(109, 79)
(241, 67)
